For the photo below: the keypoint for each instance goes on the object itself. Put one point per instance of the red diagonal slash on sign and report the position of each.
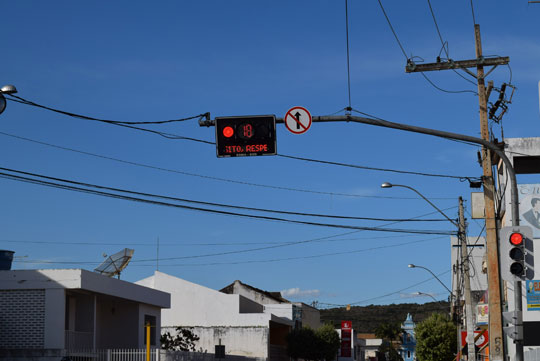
(297, 119)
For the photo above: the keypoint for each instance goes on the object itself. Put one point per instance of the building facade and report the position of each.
(46, 312)
(231, 320)
(299, 313)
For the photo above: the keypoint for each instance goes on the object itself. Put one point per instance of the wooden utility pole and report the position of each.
(496, 347)
(469, 314)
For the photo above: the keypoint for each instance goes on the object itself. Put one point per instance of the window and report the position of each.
(148, 319)
(408, 354)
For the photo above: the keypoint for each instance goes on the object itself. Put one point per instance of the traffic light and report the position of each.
(516, 253)
(245, 136)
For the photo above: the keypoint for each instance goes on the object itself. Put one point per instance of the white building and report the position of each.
(236, 322)
(45, 312)
(300, 313)
(368, 345)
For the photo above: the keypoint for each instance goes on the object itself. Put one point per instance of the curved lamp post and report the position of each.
(434, 276)
(390, 185)
(426, 294)
(6, 89)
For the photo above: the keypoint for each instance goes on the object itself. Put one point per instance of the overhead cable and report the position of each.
(124, 124)
(410, 59)
(185, 200)
(249, 183)
(208, 210)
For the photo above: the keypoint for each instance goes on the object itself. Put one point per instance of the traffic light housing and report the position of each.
(516, 253)
(245, 136)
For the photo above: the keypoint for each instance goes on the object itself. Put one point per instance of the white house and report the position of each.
(368, 345)
(236, 322)
(299, 313)
(45, 312)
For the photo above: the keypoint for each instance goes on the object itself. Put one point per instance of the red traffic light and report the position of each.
(516, 239)
(228, 132)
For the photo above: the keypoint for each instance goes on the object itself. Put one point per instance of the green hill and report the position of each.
(366, 318)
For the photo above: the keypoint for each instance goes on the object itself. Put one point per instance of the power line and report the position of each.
(444, 90)
(218, 204)
(21, 100)
(385, 295)
(208, 210)
(138, 164)
(299, 257)
(393, 31)
(120, 123)
(374, 168)
(243, 251)
(283, 244)
(472, 10)
(174, 136)
(444, 44)
(410, 60)
(398, 291)
(322, 239)
(199, 244)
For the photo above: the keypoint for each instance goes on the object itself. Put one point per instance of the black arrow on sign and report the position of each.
(297, 116)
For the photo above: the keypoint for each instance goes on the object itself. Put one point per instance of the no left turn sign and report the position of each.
(298, 120)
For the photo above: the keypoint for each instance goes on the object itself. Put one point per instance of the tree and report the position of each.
(389, 332)
(319, 345)
(184, 340)
(330, 342)
(300, 342)
(436, 339)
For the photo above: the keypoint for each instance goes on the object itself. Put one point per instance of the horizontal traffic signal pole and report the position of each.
(415, 129)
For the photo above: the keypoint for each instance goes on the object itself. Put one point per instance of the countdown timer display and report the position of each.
(245, 136)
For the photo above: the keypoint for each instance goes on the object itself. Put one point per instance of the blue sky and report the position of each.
(136, 61)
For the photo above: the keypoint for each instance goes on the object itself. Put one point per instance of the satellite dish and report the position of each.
(114, 264)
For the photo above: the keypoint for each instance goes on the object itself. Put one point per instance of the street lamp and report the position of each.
(434, 276)
(6, 89)
(426, 294)
(390, 185)
(463, 240)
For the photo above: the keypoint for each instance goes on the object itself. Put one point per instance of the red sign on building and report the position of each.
(346, 338)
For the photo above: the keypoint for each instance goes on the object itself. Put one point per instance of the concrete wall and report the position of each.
(55, 313)
(196, 305)
(240, 341)
(249, 306)
(284, 310)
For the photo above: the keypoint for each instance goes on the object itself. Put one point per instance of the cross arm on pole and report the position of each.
(412, 67)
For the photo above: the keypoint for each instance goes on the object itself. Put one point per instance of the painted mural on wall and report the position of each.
(529, 206)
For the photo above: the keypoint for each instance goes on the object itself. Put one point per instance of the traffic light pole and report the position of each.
(496, 341)
(514, 204)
